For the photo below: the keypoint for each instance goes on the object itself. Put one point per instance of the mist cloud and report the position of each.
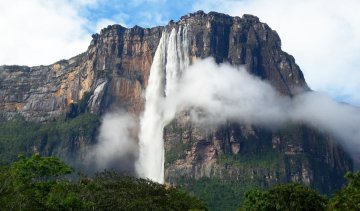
(222, 93)
(226, 93)
(340, 120)
(117, 146)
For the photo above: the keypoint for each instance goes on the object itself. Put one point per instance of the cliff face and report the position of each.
(245, 153)
(114, 72)
(118, 62)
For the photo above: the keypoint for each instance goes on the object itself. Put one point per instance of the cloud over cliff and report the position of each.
(218, 93)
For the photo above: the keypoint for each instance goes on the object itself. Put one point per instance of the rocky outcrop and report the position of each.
(113, 73)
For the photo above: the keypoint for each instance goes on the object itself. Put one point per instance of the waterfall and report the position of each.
(172, 63)
(171, 58)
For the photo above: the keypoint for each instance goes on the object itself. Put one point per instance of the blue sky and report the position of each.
(322, 35)
(142, 13)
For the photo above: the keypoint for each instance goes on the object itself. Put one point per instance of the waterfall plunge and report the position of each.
(170, 60)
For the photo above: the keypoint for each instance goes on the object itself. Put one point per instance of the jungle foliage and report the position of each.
(46, 183)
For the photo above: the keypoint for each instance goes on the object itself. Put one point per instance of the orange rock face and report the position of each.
(121, 57)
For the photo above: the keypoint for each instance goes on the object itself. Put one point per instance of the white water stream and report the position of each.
(170, 60)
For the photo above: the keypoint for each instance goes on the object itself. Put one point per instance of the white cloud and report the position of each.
(323, 36)
(38, 32)
(215, 94)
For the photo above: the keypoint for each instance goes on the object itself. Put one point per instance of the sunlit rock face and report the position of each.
(118, 56)
(114, 74)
